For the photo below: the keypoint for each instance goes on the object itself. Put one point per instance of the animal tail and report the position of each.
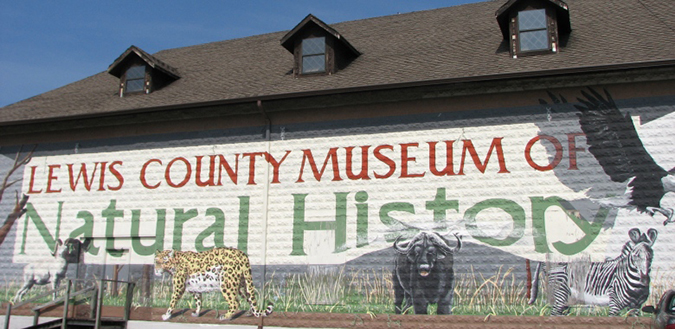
(534, 292)
(250, 295)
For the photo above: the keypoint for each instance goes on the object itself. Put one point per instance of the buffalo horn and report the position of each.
(403, 248)
(446, 245)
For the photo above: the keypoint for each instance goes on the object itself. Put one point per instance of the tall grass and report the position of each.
(371, 291)
(332, 290)
(660, 283)
(498, 294)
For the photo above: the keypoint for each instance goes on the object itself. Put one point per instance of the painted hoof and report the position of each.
(195, 314)
(166, 316)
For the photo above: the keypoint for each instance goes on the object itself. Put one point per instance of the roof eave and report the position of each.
(382, 87)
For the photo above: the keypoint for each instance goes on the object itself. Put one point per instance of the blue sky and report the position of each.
(48, 44)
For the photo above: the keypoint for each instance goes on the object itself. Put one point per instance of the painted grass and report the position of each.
(367, 291)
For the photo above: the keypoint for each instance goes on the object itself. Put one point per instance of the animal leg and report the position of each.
(247, 290)
(445, 303)
(614, 307)
(230, 294)
(558, 283)
(22, 292)
(560, 298)
(399, 296)
(420, 306)
(55, 286)
(198, 303)
(178, 290)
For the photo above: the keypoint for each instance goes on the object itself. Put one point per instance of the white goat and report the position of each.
(55, 270)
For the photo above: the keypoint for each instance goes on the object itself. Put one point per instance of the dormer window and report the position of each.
(141, 73)
(534, 27)
(135, 79)
(313, 55)
(317, 48)
(532, 30)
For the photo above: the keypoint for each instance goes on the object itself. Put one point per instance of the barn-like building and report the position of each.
(348, 160)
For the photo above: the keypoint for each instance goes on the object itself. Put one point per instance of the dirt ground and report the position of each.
(345, 320)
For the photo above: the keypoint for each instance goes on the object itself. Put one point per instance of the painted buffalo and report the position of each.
(423, 273)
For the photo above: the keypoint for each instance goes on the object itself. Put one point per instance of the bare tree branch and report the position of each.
(19, 205)
(18, 162)
(17, 212)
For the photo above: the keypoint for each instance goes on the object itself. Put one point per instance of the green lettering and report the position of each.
(361, 219)
(513, 209)
(32, 214)
(394, 224)
(86, 230)
(181, 217)
(439, 206)
(136, 244)
(217, 229)
(242, 241)
(110, 214)
(300, 225)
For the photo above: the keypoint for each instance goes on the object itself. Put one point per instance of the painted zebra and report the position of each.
(618, 283)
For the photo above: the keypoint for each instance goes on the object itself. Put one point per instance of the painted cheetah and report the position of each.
(224, 269)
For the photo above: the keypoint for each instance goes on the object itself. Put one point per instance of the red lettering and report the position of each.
(481, 166)
(332, 156)
(119, 176)
(386, 160)
(198, 172)
(448, 170)
(32, 181)
(102, 177)
(405, 159)
(188, 172)
(364, 163)
(556, 159)
(275, 165)
(573, 149)
(143, 169)
(83, 173)
(50, 178)
(251, 166)
(231, 173)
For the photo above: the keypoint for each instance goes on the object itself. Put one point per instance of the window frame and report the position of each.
(324, 54)
(545, 29)
(144, 78)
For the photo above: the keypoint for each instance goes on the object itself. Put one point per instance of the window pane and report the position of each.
(532, 20)
(134, 85)
(313, 46)
(535, 40)
(315, 63)
(136, 72)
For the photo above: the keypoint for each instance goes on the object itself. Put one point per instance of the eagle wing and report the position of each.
(614, 142)
(612, 138)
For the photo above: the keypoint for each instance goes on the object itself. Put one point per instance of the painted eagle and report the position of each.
(614, 142)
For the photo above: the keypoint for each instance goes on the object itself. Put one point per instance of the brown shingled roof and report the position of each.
(461, 42)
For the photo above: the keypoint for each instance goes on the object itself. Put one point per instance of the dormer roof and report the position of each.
(561, 10)
(289, 40)
(118, 67)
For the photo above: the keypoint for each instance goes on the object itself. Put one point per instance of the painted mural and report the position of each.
(545, 209)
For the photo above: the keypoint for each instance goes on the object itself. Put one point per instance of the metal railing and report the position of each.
(95, 293)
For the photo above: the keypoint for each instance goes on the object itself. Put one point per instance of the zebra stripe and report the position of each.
(619, 283)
